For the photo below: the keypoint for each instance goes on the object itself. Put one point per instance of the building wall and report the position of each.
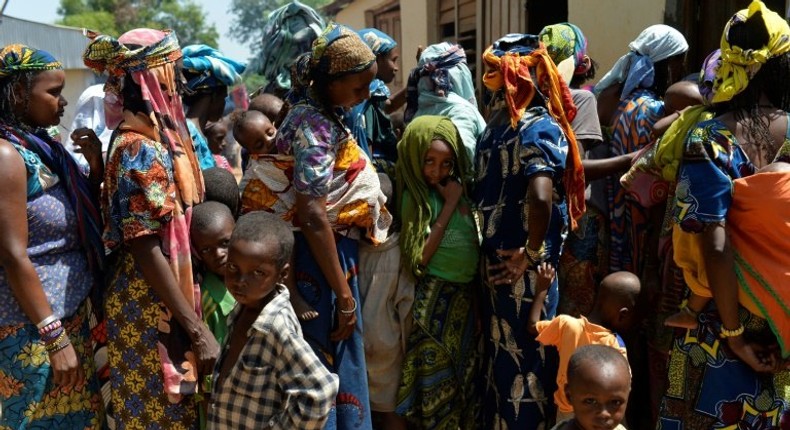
(77, 80)
(610, 25)
(353, 15)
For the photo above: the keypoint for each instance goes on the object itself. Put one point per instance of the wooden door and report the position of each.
(387, 19)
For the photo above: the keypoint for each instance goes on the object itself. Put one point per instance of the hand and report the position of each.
(511, 269)
(546, 273)
(206, 350)
(450, 192)
(88, 144)
(756, 356)
(66, 368)
(345, 323)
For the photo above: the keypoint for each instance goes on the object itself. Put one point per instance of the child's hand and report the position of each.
(546, 274)
(451, 192)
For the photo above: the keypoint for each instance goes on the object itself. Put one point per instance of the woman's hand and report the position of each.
(757, 357)
(206, 350)
(66, 369)
(451, 192)
(346, 323)
(511, 269)
(88, 144)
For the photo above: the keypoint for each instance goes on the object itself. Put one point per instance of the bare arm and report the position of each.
(22, 277)
(540, 192)
(451, 194)
(396, 101)
(542, 284)
(321, 239)
(597, 169)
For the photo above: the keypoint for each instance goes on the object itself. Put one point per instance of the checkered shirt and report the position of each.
(278, 381)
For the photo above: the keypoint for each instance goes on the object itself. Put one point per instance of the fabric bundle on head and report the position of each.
(416, 141)
(378, 41)
(443, 64)
(511, 62)
(210, 67)
(707, 75)
(738, 65)
(564, 41)
(18, 58)
(635, 69)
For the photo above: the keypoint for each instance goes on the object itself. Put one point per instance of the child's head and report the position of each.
(221, 186)
(258, 255)
(617, 300)
(215, 133)
(210, 230)
(599, 382)
(776, 167)
(430, 152)
(396, 118)
(269, 105)
(254, 131)
(681, 95)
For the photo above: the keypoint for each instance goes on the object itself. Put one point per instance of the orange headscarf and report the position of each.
(511, 62)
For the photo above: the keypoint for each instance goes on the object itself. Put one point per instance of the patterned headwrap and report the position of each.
(510, 62)
(566, 40)
(707, 75)
(20, 58)
(212, 69)
(436, 62)
(635, 69)
(738, 66)
(416, 213)
(152, 67)
(379, 42)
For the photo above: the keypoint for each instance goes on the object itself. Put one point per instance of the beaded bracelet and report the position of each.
(45, 321)
(51, 336)
(732, 333)
(352, 310)
(59, 347)
(59, 343)
(50, 327)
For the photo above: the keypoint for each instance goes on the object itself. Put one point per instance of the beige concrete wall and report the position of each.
(610, 25)
(353, 15)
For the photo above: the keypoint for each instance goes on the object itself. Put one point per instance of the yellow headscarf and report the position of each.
(738, 65)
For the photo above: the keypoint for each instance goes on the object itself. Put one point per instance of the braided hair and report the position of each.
(10, 97)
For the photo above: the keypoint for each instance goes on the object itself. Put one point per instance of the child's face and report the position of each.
(252, 271)
(353, 89)
(212, 245)
(599, 395)
(388, 65)
(438, 163)
(215, 134)
(257, 137)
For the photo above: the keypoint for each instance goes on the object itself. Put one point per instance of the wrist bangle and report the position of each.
(535, 256)
(350, 311)
(43, 323)
(53, 335)
(438, 225)
(59, 343)
(724, 333)
(50, 327)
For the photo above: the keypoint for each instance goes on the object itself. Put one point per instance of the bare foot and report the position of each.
(686, 318)
(303, 310)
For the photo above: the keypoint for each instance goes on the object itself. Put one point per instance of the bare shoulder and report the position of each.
(10, 160)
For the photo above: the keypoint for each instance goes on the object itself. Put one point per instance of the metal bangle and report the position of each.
(351, 311)
(43, 323)
(724, 333)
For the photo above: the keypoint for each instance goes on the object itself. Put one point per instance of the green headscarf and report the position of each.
(416, 209)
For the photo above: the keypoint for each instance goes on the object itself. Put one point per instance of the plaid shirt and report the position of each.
(278, 381)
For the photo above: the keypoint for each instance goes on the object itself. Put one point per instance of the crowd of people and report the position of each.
(399, 261)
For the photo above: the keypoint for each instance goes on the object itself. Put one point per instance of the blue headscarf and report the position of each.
(380, 43)
(211, 67)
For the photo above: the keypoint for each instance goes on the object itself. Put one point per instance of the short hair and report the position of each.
(244, 118)
(207, 214)
(221, 186)
(599, 355)
(266, 227)
(267, 104)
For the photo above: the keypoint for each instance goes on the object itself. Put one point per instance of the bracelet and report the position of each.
(61, 342)
(51, 336)
(535, 256)
(350, 311)
(46, 321)
(58, 347)
(732, 333)
(50, 327)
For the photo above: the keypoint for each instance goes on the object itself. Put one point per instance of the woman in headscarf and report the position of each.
(208, 74)
(440, 251)
(322, 183)
(637, 81)
(158, 346)
(721, 372)
(50, 253)
(441, 84)
(529, 192)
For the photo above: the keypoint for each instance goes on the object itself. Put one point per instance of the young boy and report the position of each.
(212, 225)
(215, 133)
(221, 186)
(613, 312)
(254, 132)
(267, 375)
(599, 382)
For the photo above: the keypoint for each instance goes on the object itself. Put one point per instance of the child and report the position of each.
(215, 133)
(599, 382)
(267, 374)
(613, 312)
(270, 105)
(387, 296)
(212, 225)
(440, 250)
(254, 132)
(221, 187)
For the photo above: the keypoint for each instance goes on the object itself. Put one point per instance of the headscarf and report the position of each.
(18, 58)
(212, 69)
(511, 61)
(379, 42)
(443, 64)
(635, 69)
(289, 32)
(416, 214)
(707, 75)
(738, 65)
(566, 40)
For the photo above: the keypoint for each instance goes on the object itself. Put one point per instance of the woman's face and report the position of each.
(351, 90)
(45, 105)
(438, 163)
(388, 65)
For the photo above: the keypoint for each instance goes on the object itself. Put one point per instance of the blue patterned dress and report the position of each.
(517, 383)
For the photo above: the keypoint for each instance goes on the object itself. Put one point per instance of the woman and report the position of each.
(438, 383)
(717, 377)
(637, 81)
(441, 84)
(324, 184)
(158, 346)
(50, 252)
(529, 192)
(208, 74)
